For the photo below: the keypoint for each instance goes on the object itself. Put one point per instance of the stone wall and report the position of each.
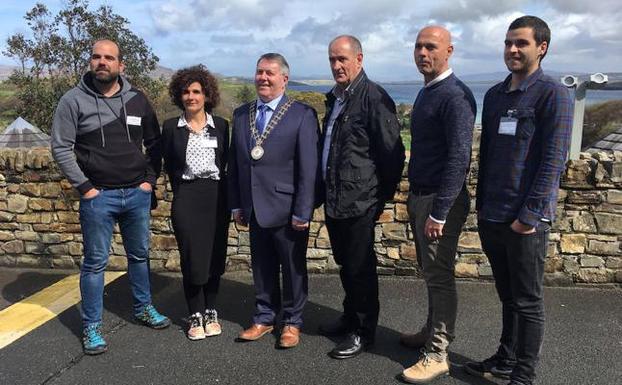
(39, 226)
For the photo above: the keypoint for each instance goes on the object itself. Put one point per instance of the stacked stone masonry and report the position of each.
(39, 225)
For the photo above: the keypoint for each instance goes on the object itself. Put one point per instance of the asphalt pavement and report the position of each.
(583, 341)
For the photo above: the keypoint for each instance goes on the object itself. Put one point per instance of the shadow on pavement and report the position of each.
(235, 303)
(17, 285)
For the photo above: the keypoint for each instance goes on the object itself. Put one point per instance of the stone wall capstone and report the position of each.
(39, 225)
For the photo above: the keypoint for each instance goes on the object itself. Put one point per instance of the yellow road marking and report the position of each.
(23, 317)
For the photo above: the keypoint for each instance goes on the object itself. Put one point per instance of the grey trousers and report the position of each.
(437, 261)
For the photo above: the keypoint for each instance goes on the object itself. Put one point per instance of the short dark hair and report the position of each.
(277, 57)
(185, 77)
(541, 31)
(354, 43)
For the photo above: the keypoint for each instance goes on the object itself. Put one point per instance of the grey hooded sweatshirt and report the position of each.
(98, 141)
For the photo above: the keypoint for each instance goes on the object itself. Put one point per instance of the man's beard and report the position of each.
(108, 78)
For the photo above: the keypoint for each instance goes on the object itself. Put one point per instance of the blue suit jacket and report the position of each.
(282, 183)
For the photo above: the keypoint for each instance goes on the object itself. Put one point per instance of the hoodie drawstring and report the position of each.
(127, 128)
(101, 127)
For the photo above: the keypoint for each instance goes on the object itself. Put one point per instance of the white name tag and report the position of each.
(507, 126)
(134, 120)
(211, 143)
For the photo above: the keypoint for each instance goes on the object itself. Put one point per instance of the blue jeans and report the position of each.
(130, 208)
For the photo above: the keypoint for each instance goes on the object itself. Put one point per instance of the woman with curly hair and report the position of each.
(195, 148)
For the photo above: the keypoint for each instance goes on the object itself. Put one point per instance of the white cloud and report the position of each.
(230, 34)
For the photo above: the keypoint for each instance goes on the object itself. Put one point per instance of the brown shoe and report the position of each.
(290, 336)
(414, 341)
(255, 332)
(425, 370)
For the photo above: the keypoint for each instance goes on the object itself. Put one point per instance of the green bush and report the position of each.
(600, 120)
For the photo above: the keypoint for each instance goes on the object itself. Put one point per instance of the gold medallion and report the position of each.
(257, 152)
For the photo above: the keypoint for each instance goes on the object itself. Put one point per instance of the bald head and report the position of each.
(110, 45)
(441, 33)
(432, 51)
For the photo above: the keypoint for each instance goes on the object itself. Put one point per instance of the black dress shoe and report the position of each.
(339, 327)
(351, 346)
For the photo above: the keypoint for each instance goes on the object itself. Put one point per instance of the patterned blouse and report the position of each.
(200, 152)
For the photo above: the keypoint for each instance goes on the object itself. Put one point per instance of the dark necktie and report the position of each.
(260, 123)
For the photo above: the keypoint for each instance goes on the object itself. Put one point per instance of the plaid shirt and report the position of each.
(519, 174)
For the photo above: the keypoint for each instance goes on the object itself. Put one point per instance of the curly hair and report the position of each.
(185, 77)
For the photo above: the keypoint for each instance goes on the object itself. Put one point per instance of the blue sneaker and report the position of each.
(149, 316)
(93, 342)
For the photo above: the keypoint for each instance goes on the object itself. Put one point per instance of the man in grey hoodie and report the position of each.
(98, 134)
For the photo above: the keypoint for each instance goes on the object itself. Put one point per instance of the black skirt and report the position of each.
(200, 221)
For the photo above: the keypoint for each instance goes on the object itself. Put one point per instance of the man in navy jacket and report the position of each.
(272, 169)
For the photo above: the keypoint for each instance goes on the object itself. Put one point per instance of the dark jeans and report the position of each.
(352, 241)
(517, 263)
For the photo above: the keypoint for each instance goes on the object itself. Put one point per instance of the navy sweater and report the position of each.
(441, 128)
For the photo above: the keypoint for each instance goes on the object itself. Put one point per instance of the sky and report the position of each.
(228, 35)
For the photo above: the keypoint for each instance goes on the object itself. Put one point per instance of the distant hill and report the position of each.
(6, 71)
(161, 72)
(166, 73)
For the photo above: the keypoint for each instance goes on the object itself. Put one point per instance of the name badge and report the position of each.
(134, 120)
(209, 142)
(507, 126)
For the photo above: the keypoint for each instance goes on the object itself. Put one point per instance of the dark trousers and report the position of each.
(201, 297)
(517, 263)
(437, 260)
(352, 241)
(277, 250)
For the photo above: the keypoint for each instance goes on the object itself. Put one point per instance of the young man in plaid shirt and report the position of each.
(526, 127)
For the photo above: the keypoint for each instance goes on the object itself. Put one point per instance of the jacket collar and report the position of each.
(351, 90)
(525, 84)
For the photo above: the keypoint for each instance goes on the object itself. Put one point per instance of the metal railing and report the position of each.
(596, 81)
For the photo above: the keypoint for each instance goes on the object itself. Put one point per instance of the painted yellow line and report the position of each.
(23, 317)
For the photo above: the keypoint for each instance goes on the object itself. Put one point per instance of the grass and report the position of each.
(406, 139)
(600, 120)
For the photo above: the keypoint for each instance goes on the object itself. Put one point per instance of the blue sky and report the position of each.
(228, 35)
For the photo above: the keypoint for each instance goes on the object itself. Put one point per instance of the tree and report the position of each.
(18, 48)
(58, 54)
(245, 94)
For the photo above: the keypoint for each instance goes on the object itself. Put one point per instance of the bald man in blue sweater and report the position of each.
(438, 203)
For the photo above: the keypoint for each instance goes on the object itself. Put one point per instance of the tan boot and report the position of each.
(425, 370)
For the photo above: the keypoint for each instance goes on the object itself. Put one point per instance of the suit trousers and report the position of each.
(277, 250)
(517, 262)
(352, 241)
(437, 261)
